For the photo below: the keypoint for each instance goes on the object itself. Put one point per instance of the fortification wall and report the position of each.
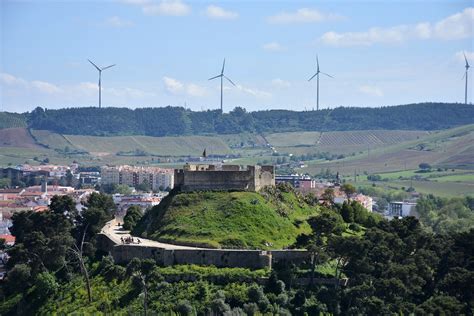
(252, 259)
(228, 177)
(217, 180)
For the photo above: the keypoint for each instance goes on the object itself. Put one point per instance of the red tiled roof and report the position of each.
(8, 238)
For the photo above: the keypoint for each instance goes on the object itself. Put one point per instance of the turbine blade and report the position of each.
(94, 65)
(223, 66)
(108, 67)
(326, 74)
(313, 76)
(229, 80)
(215, 77)
(463, 76)
(467, 64)
(317, 62)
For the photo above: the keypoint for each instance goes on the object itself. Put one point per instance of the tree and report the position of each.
(328, 195)
(64, 205)
(19, 278)
(347, 212)
(424, 166)
(134, 213)
(348, 189)
(323, 226)
(42, 240)
(46, 285)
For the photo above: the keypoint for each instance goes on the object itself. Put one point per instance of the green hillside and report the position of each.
(175, 121)
(229, 219)
(11, 120)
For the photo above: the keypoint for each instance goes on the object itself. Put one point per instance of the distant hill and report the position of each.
(176, 121)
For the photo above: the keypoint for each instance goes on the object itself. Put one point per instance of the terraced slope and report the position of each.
(339, 142)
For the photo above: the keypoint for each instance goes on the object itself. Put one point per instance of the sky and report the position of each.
(380, 53)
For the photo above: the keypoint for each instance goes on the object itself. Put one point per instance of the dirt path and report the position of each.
(115, 232)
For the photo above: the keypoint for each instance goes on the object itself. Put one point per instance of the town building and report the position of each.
(157, 178)
(402, 209)
(297, 181)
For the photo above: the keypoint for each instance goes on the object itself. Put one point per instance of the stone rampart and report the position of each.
(252, 259)
(226, 177)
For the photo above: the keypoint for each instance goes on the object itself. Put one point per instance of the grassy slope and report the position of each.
(339, 142)
(438, 148)
(228, 219)
(164, 146)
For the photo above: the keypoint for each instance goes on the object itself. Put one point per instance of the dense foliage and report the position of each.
(51, 247)
(394, 267)
(165, 121)
(445, 215)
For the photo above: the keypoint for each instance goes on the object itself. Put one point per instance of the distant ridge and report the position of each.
(175, 121)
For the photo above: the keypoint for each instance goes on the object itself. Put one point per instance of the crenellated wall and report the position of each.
(227, 177)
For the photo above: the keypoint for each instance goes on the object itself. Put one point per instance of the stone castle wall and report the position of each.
(227, 177)
(233, 258)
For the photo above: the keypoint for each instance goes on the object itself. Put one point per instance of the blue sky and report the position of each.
(379, 52)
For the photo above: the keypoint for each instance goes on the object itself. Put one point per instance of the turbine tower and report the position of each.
(317, 84)
(100, 77)
(222, 76)
(465, 75)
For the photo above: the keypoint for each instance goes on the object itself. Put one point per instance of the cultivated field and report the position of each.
(339, 142)
(16, 137)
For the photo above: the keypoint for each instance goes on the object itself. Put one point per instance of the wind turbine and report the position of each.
(465, 75)
(222, 76)
(100, 76)
(317, 75)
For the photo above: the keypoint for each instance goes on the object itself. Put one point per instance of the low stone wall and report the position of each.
(252, 259)
(294, 256)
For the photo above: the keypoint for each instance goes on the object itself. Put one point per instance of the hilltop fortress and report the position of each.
(195, 177)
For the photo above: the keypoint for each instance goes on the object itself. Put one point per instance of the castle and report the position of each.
(194, 177)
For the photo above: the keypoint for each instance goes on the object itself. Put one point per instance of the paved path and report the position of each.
(115, 232)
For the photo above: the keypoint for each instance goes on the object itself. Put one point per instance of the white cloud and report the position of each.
(273, 47)
(117, 22)
(303, 15)
(45, 87)
(469, 56)
(456, 26)
(10, 80)
(79, 90)
(255, 92)
(216, 12)
(371, 90)
(176, 87)
(172, 85)
(167, 7)
(279, 83)
(195, 90)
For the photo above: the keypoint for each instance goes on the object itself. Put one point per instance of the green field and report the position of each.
(228, 220)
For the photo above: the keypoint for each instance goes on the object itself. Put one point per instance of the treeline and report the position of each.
(166, 121)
